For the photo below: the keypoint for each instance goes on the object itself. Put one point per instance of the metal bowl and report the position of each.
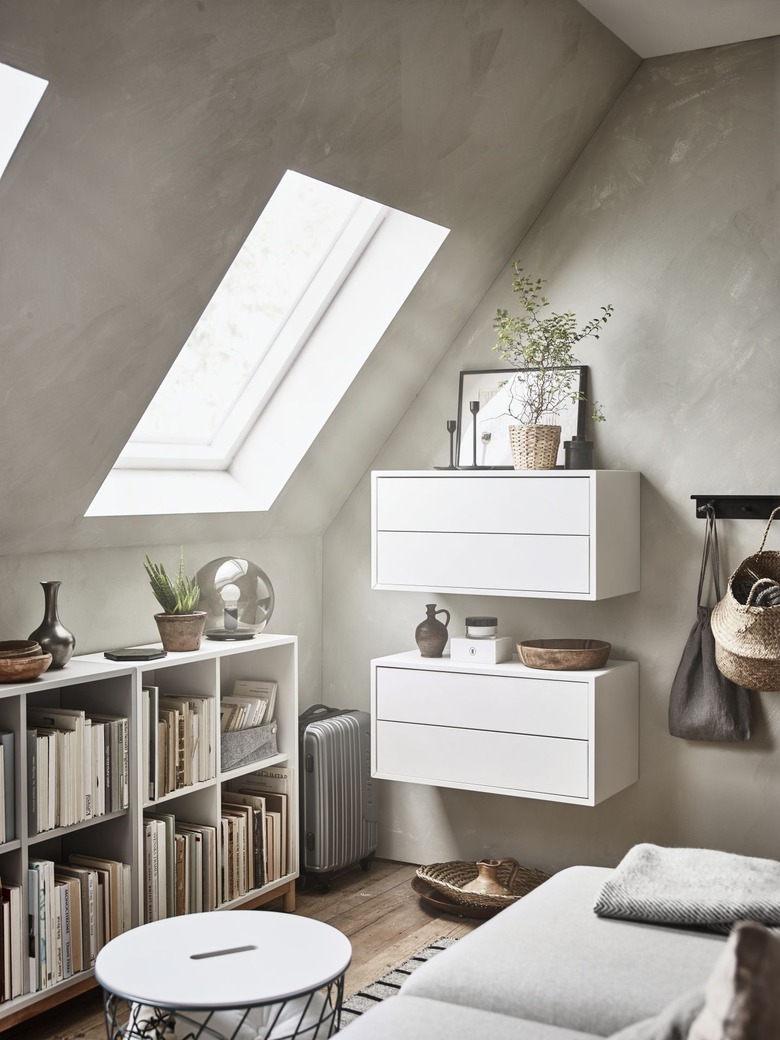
(19, 648)
(564, 655)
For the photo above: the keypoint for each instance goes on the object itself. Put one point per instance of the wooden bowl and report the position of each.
(564, 655)
(19, 648)
(20, 669)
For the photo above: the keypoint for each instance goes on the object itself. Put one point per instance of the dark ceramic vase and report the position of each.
(431, 634)
(51, 633)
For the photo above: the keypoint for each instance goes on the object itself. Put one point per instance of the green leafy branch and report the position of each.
(177, 595)
(544, 347)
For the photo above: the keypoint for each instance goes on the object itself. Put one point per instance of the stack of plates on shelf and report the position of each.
(22, 659)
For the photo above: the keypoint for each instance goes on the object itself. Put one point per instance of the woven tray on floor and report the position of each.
(449, 879)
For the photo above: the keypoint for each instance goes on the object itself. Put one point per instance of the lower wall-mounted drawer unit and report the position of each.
(558, 534)
(506, 729)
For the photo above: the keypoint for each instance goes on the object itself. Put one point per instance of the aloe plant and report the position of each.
(177, 595)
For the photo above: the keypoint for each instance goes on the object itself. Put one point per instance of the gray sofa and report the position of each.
(547, 968)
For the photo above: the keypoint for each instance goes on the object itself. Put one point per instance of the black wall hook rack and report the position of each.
(737, 507)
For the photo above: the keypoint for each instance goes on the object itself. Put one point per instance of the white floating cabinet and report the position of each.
(505, 728)
(553, 534)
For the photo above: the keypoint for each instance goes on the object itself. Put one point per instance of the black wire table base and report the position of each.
(311, 1016)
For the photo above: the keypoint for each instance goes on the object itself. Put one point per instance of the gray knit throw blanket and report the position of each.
(698, 887)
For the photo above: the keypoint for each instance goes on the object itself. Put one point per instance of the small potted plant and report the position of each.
(542, 348)
(179, 623)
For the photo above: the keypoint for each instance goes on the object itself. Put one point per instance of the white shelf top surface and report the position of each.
(515, 667)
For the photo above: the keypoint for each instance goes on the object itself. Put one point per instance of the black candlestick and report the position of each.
(474, 408)
(452, 426)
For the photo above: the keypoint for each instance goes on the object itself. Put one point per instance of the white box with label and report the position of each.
(484, 651)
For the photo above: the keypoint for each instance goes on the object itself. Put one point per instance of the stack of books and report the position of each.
(73, 910)
(181, 867)
(253, 703)
(77, 766)
(255, 834)
(178, 747)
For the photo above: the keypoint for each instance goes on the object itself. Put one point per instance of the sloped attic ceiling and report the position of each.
(164, 131)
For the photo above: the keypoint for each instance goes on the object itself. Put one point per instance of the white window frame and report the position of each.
(331, 354)
(294, 331)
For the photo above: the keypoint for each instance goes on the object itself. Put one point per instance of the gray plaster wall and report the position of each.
(670, 214)
(163, 132)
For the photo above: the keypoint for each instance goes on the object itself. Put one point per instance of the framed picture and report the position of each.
(493, 389)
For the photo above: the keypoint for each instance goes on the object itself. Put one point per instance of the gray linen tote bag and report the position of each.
(704, 704)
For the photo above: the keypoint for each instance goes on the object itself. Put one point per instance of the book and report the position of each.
(109, 873)
(87, 882)
(206, 838)
(151, 898)
(258, 830)
(33, 930)
(9, 785)
(262, 688)
(280, 779)
(150, 729)
(12, 895)
(32, 781)
(167, 864)
(5, 950)
(64, 938)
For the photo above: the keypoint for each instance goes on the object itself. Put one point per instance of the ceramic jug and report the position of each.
(431, 634)
(487, 881)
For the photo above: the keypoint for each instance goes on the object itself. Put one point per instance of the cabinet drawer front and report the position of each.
(473, 758)
(528, 563)
(501, 703)
(512, 505)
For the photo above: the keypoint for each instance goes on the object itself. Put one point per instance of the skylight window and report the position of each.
(303, 304)
(288, 270)
(20, 93)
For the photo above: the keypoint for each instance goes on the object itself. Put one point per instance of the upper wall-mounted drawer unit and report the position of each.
(558, 534)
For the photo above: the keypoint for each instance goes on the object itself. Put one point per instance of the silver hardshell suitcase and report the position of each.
(339, 800)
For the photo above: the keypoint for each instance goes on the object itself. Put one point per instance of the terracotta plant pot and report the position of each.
(180, 632)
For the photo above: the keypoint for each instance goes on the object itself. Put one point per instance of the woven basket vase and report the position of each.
(449, 878)
(747, 638)
(534, 447)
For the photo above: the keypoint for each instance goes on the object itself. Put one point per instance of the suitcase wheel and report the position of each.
(365, 863)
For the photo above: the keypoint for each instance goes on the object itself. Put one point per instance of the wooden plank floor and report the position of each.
(378, 911)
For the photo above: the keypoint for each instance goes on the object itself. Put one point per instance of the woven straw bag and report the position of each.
(534, 447)
(747, 637)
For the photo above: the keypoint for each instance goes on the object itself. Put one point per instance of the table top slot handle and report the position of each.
(221, 953)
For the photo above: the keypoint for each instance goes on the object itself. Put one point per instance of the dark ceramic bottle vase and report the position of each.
(431, 634)
(54, 638)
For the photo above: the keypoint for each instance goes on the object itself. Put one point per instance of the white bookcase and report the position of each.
(553, 534)
(115, 688)
(505, 728)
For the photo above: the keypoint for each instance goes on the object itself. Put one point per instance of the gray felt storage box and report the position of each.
(245, 746)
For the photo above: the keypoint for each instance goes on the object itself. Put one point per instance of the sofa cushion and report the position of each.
(417, 1018)
(672, 1023)
(549, 958)
(741, 995)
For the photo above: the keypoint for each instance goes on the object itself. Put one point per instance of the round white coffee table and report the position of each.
(238, 974)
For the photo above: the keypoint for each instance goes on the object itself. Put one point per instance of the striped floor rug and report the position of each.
(389, 985)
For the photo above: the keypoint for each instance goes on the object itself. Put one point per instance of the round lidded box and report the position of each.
(481, 627)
